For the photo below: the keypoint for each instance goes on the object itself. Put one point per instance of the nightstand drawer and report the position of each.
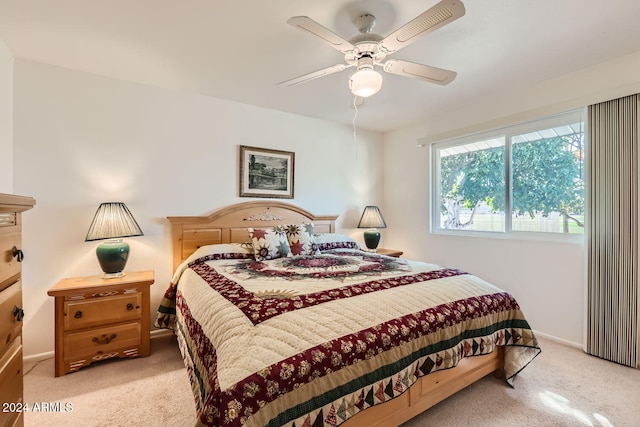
(101, 340)
(98, 311)
(10, 315)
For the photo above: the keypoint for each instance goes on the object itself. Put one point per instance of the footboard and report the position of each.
(430, 390)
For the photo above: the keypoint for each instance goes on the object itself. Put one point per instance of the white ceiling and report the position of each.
(240, 49)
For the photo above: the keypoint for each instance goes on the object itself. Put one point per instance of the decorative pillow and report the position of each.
(326, 241)
(301, 239)
(270, 243)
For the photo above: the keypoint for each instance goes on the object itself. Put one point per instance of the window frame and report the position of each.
(507, 132)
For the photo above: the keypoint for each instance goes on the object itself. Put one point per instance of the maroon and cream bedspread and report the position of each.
(313, 340)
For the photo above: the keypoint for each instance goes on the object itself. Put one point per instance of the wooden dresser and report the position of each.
(11, 313)
(98, 319)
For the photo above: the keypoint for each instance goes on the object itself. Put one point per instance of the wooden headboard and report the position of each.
(229, 225)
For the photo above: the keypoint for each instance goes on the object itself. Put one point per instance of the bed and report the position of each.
(283, 321)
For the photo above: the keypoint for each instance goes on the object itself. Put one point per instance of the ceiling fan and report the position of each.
(368, 49)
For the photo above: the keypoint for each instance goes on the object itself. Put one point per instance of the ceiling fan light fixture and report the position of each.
(368, 49)
(365, 82)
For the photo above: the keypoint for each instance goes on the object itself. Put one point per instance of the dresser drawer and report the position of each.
(99, 311)
(11, 374)
(9, 266)
(101, 340)
(10, 326)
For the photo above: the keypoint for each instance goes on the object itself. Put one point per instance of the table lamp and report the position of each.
(113, 221)
(371, 219)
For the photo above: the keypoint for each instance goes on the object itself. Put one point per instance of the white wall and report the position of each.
(6, 119)
(547, 279)
(82, 139)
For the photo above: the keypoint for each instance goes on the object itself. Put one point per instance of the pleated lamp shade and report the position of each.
(372, 219)
(113, 221)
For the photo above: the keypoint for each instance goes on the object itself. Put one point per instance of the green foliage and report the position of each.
(475, 176)
(546, 177)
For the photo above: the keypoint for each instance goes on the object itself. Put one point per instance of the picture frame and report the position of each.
(266, 173)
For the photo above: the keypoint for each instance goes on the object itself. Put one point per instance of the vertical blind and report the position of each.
(612, 209)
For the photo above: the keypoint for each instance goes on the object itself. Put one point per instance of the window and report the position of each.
(524, 178)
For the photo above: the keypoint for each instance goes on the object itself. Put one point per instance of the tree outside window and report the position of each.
(545, 168)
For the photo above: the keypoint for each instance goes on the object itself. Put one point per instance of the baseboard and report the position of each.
(158, 333)
(38, 357)
(559, 340)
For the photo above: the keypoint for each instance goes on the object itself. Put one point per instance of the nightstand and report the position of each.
(389, 252)
(98, 319)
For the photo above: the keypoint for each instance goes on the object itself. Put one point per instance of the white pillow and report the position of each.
(203, 251)
(328, 241)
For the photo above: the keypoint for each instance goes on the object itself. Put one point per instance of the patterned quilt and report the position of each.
(313, 340)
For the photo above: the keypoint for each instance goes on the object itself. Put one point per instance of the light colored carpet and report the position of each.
(561, 387)
(148, 391)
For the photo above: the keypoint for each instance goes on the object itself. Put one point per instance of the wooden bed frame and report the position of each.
(229, 225)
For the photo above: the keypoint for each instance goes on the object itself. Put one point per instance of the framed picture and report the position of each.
(266, 173)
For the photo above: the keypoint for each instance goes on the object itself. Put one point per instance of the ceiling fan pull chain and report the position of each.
(355, 140)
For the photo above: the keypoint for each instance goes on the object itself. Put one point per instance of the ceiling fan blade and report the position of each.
(419, 71)
(435, 17)
(314, 75)
(310, 26)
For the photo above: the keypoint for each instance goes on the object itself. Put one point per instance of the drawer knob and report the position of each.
(104, 340)
(129, 307)
(18, 313)
(17, 254)
(78, 314)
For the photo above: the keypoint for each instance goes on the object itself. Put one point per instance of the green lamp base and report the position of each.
(371, 239)
(113, 256)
